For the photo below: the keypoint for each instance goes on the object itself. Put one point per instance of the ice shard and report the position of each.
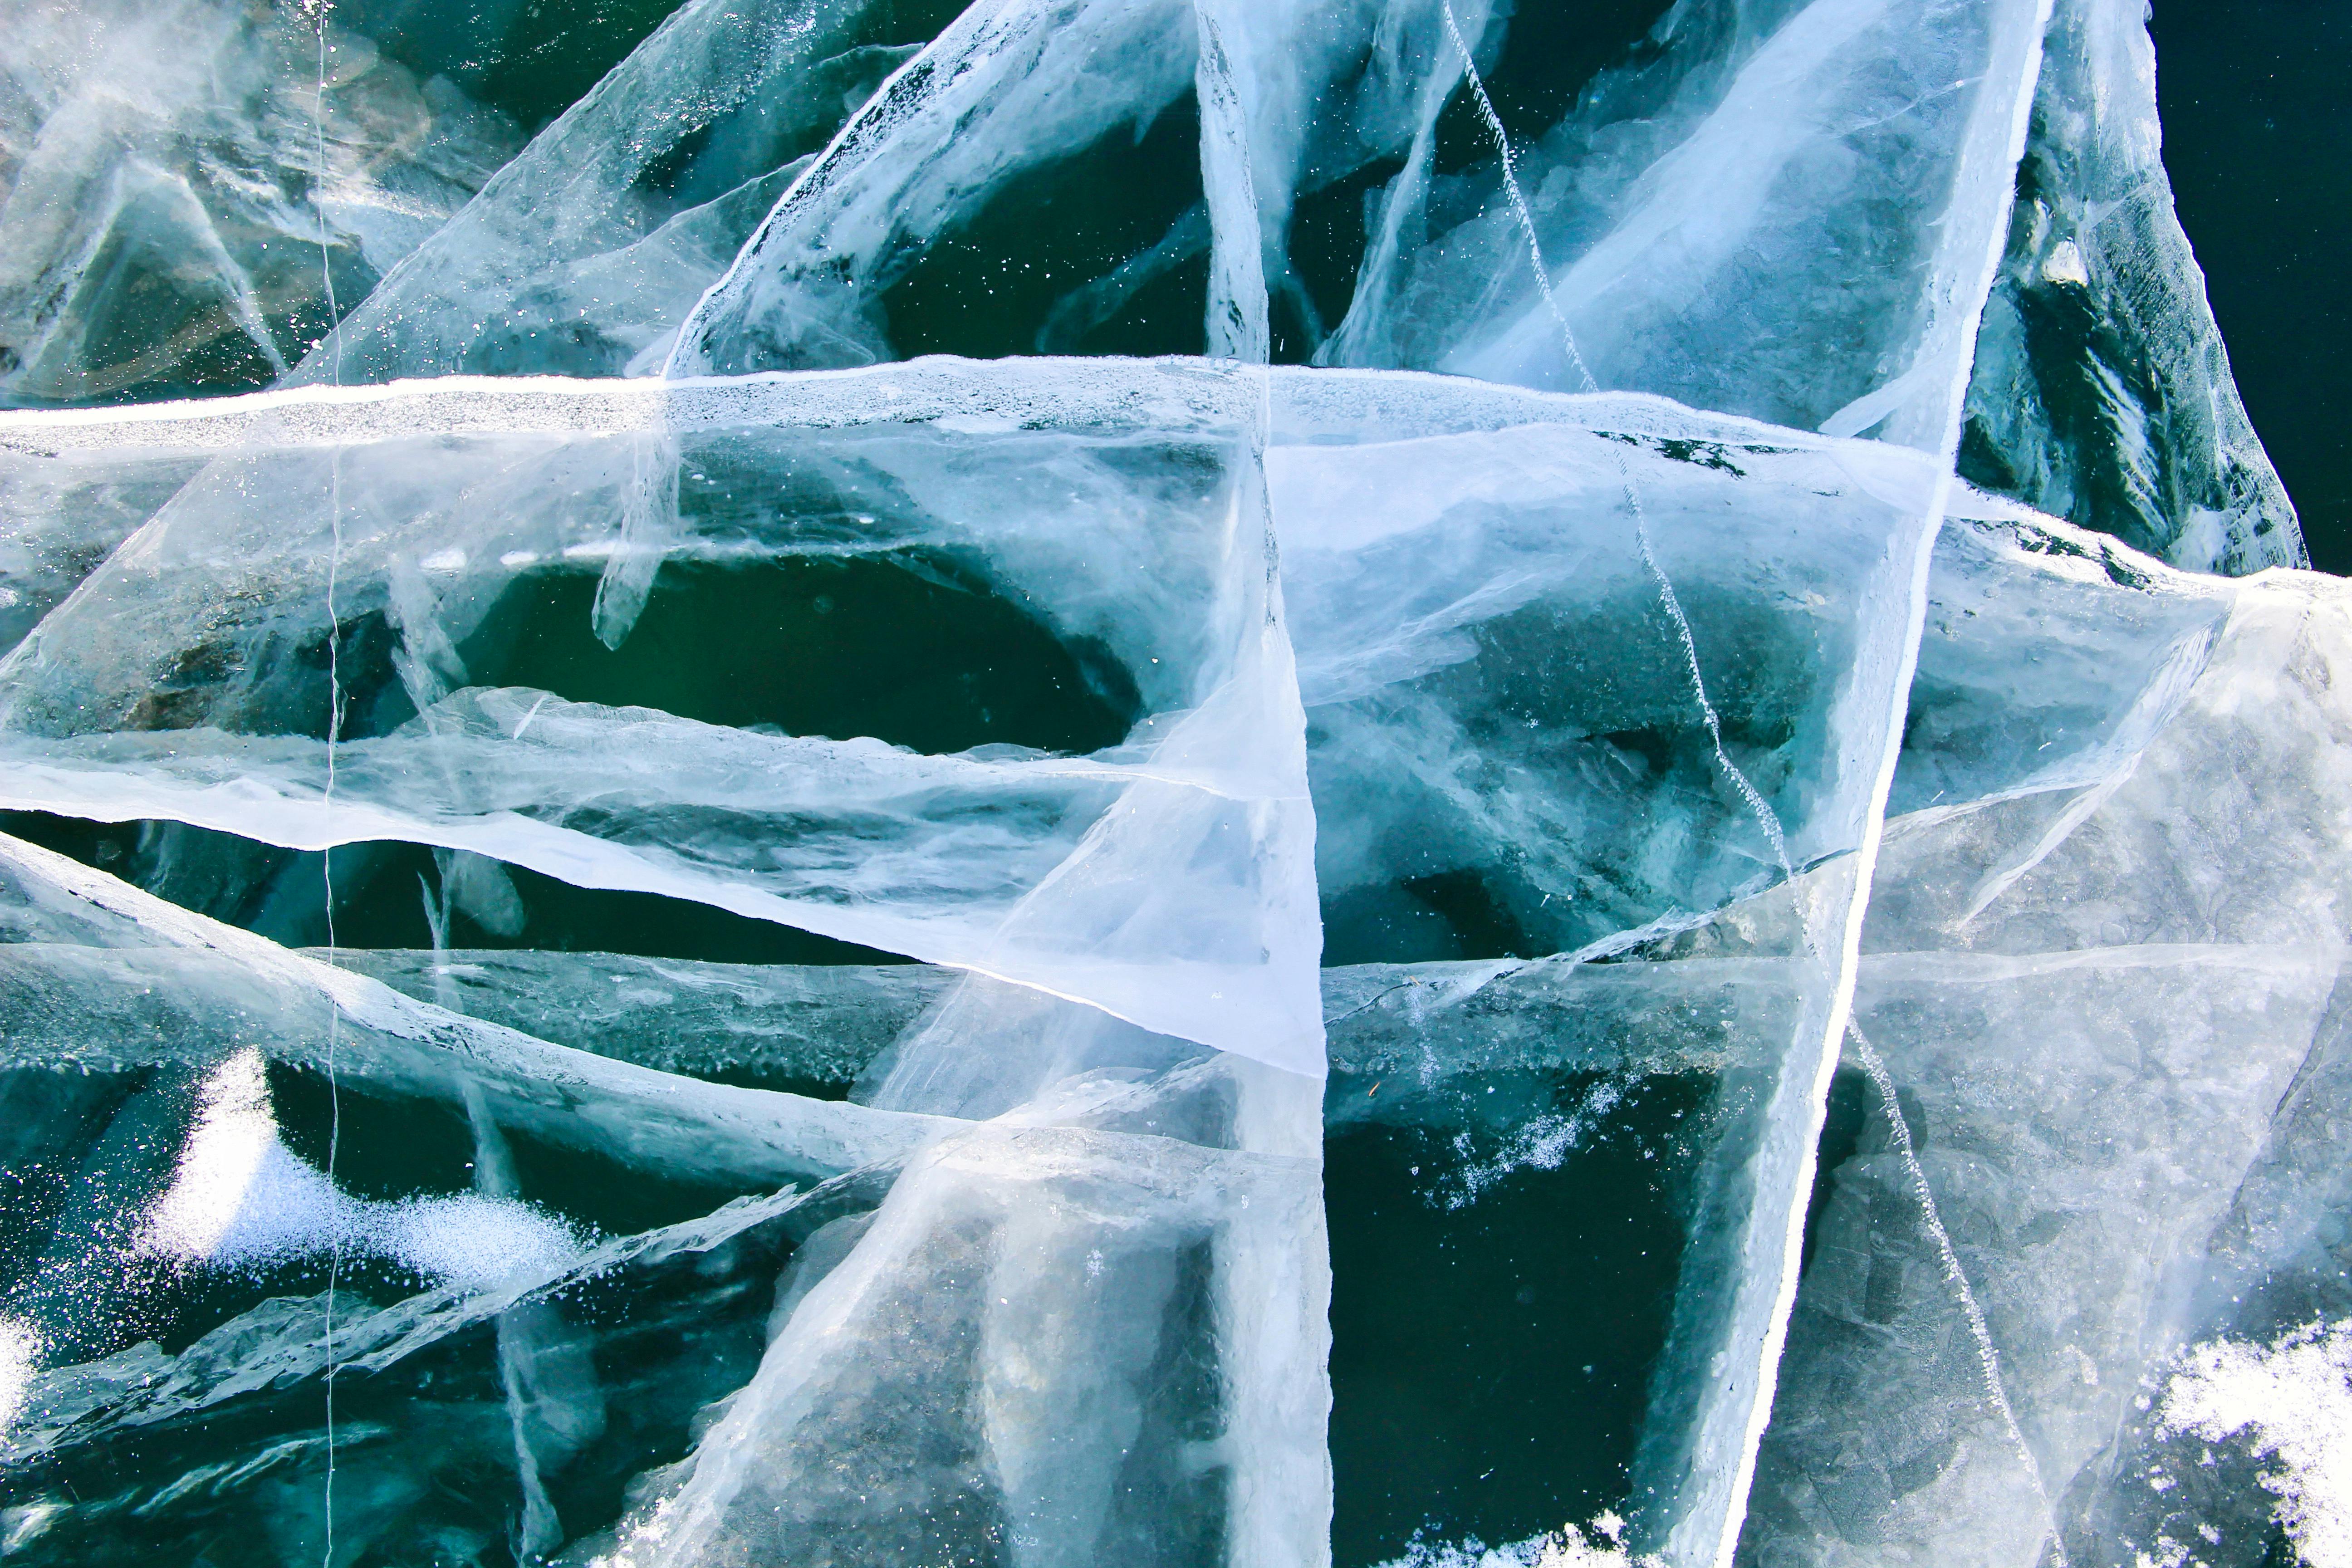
(2102, 389)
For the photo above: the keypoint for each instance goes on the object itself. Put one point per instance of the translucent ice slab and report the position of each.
(2102, 389)
(2100, 991)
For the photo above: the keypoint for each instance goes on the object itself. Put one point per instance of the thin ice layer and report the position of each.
(168, 224)
(1546, 529)
(1054, 1279)
(821, 1023)
(1782, 211)
(623, 1351)
(1495, 689)
(1008, 85)
(1236, 1262)
(111, 978)
(1501, 686)
(591, 246)
(59, 520)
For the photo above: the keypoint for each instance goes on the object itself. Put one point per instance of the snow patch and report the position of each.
(2295, 1397)
(240, 1199)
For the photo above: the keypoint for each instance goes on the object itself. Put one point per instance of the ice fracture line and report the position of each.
(1987, 1359)
(318, 9)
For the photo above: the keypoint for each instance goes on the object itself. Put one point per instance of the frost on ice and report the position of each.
(936, 786)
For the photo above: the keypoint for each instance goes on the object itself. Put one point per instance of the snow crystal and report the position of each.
(20, 1352)
(1598, 1545)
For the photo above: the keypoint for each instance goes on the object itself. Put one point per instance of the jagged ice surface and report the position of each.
(1114, 781)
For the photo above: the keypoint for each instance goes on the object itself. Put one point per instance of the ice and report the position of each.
(820, 1024)
(1208, 654)
(1292, 101)
(280, 1340)
(1783, 213)
(588, 253)
(1823, 973)
(1050, 1311)
(1019, 81)
(1521, 551)
(1213, 761)
(703, 1286)
(2077, 1143)
(201, 984)
(2102, 389)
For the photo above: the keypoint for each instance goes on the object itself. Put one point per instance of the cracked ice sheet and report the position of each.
(280, 1340)
(1295, 99)
(1221, 1249)
(1457, 579)
(1053, 1276)
(626, 1348)
(1151, 1209)
(403, 532)
(59, 520)
(1497, 689)
(587, 252)
(165, 209)
(1113, 501)
(2094, 986)
(1007, 86)
(1542, 534)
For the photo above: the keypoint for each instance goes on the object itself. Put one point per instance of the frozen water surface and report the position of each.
(1123, 782)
